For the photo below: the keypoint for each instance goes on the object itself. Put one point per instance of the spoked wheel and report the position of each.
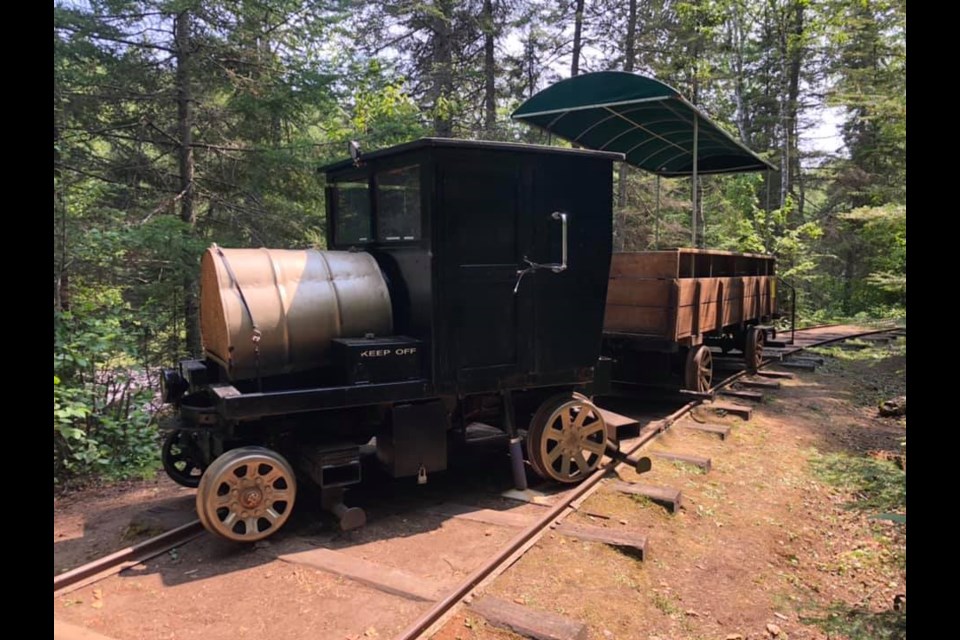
(182, 458)
(246, 494)
(753, 349)
(566, 439)
(698, 369)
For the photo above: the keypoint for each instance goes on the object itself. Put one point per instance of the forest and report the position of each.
(180, 123)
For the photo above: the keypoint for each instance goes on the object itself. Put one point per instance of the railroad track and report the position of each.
(445, 602)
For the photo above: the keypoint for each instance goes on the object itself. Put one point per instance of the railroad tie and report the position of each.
(528, 622)
(738, 410)
(752, 396)
(388, 579)
(698, 461)
(664, 496)
(630, 541)
(721, 430)
(794, 364)
(782, 375)
(759, 384)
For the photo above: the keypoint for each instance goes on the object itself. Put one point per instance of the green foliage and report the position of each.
(279, 86)
(102, 413)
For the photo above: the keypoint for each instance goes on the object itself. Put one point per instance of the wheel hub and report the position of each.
(251, 498)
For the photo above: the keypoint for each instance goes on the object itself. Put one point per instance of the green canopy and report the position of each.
(651, 123)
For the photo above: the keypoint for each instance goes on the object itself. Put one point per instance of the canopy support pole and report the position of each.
(769, 176)
(696, 154)
(656, 232)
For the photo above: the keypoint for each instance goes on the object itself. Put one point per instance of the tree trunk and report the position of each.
(441, 69)
(489, 70)
(182, 28)
(577, 35)
(794, 61)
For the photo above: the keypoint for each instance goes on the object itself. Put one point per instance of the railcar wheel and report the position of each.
(753, 349)
(566, 439)
(246, 494)
(698, 369)
(182, 458)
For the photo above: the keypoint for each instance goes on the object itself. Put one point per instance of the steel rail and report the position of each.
(428, 618)
(125, 558)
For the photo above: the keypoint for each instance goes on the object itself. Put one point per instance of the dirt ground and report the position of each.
(797, 531)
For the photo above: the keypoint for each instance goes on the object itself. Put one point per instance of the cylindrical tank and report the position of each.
(299, 301)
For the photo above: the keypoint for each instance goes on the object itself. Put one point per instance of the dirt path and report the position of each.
(779, 539)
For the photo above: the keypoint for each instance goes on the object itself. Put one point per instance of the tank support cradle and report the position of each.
(331, 499)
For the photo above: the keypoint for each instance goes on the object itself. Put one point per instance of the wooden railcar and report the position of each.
(666, 308)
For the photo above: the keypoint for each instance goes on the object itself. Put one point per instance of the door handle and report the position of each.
(556, 267)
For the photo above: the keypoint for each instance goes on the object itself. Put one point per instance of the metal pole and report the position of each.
(696, 141)
(768, 191)
(656, 236)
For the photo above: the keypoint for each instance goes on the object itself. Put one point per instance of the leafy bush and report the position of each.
(102, 413)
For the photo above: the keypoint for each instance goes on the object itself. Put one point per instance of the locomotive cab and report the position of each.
(463, 289)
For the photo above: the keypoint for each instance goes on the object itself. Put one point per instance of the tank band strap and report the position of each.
(256, 335)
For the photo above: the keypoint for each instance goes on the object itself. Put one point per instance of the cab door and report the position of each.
(485, 233)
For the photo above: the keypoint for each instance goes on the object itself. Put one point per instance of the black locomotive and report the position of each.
(465, 284)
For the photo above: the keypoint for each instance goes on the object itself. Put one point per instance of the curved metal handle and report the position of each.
(562, 217)
(556, 268)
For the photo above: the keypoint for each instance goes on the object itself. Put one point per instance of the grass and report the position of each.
(665, 604)
(876, 485)
(854, 623)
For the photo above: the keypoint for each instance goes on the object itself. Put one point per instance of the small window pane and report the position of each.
(352, 213)
(398, 205)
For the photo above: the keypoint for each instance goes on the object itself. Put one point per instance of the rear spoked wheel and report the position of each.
(753, 348)
(566, 439)
(698, 369)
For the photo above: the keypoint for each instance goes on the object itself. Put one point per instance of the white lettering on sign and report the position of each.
(380, 353)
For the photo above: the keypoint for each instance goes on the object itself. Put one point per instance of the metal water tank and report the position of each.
(299, 300)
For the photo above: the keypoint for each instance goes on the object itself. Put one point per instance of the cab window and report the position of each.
(353, 224)
(398, 204)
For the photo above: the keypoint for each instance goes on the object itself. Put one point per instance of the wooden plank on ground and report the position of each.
(477, 514)
(782, 375)
(697, 461)
(721, 430)
(752, 396)
(528, 622)
(378, 576)
(733, 409)
(759, 384)
(623, 538)
(666, 496)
